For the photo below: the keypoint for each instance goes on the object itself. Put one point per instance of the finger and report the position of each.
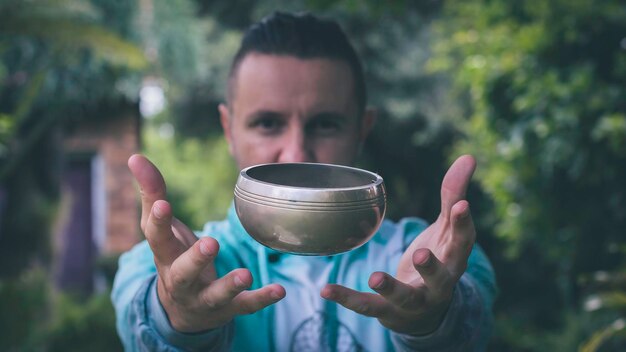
(397, 292)
(158, 231)
(248, 302)
(455, 182)
(368, 304)
(439, 282)
(222, 291)
(183, 233)
(463, 237)
(194, 264)
(462, 223)
(151, 184)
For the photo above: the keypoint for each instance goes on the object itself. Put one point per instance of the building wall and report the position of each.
(112, 139)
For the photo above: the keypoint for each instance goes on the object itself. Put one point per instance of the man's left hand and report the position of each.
(417, 299)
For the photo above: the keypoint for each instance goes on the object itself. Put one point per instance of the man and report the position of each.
(296, 94)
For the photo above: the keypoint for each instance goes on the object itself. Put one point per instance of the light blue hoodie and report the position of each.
(302, 320)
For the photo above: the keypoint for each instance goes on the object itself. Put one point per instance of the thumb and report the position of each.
(151, 184)
(455, 182)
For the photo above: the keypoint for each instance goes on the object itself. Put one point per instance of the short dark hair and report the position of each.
(304, 36)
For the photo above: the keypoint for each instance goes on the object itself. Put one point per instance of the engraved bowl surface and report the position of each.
(310, 208)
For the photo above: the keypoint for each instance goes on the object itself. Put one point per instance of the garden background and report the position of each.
(535, 90)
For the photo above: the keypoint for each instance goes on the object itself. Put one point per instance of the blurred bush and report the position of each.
(24, 310)
(604, 306)
(200, 175)
(80, 324)
(36, 317)
(541, 86)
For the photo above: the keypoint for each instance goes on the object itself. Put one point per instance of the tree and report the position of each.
(61, 61)
(46, 45)
(542, 86)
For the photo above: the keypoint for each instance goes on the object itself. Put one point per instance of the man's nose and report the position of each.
(296, 148)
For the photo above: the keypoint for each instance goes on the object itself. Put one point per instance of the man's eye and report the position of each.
(267, 125)
(324, 126)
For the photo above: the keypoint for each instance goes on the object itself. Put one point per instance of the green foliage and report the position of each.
(106, 265)
(180, 44)
(541, 86)
(23, 310)
(27, 220)
(193, 111)
(58, 61)
(539, 118)
(200, 175)
(68, 27)
(34, 318)
(80, 325)
(45, 46)
(601, 340)
(605, 304)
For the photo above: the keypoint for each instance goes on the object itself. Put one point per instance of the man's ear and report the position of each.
(225, 122)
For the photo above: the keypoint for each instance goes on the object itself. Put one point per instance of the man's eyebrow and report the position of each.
(330, 115)
(263, 114)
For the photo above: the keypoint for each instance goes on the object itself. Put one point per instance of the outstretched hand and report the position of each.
(416, 300)
(194, 298)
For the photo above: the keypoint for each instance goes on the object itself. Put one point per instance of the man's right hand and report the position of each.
(194, 298)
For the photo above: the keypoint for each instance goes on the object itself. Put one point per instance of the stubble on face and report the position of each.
(283, 109)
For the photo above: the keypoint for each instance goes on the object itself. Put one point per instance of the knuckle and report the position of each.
(177, 279)
(408, 302)
(210, 304)
(214, 300)
(235, 285)
(247, 308)
(363, 307)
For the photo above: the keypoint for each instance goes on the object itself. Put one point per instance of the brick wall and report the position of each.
(114, 138)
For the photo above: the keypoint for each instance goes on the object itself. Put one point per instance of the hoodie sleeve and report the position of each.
(142, 323)
(468, 323)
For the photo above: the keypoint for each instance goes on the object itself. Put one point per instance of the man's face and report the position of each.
(285, 109)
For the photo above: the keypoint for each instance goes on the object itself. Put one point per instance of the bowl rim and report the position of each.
(375, 189)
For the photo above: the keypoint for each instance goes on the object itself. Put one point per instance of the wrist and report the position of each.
(434, 323)
(178, 317)
(428, 323)
(198, 341)
(461, 328)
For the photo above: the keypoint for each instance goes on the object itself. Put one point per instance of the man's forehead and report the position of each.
(281, 81)
(258, 64)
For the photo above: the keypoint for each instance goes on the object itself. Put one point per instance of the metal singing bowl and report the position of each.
(309, 208)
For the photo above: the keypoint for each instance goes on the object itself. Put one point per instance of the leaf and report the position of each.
(72, 35)
(599, 338)
(68, 25)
